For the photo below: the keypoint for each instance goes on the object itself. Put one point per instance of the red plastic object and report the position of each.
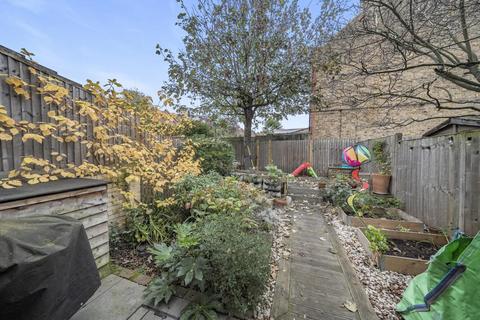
(301, 168)
(356, 175)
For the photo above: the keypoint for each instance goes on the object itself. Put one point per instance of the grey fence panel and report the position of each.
(36, 110)
(437, 178)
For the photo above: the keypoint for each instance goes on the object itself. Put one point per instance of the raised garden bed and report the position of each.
(261, 180)
(404, 259)
(333, 171)
(404, 221)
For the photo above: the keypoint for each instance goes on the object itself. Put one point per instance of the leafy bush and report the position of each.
(219, 255)
(148, 223)
(370, 205)
(239, 259)
(215, 155)
(365, 203)
(202, 310)
(193, 197)
(382, 158)
(274, 174)
(378, 239)
(198, 129)
(190, 185)
(210, 194)
(338, 191)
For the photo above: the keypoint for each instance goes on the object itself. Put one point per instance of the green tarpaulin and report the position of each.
(450, 288)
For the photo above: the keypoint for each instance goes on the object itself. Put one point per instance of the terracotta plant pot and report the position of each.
(280, 202)
(380, 183)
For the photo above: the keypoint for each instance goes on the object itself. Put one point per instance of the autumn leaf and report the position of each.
(17, 85)
(33, 181)
(6, 120)
(5, 136)
(28, 136)
(15, 183)
(5, 185)
(46, 129)
(14, 131)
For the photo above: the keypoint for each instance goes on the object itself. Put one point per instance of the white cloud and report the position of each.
(34, 6)
(31, 30)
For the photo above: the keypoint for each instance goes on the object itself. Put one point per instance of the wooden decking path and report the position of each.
(314, 283)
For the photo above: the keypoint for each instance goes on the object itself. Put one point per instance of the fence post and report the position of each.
(397, 138)
(461, 185)
(269, 151)
(257, 158)
(310, 151)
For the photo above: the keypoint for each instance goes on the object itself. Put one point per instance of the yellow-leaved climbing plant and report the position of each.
(122, 133)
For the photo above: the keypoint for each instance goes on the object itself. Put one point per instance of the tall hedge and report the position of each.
(215, 154)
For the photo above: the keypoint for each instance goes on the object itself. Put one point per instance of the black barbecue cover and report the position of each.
(47, 270)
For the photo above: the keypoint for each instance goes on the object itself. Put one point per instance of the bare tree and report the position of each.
(399, 53)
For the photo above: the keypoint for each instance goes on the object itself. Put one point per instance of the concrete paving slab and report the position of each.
(116, 303)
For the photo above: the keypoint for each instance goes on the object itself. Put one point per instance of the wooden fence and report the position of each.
(289, 154)
(35, 110)
(438, 178)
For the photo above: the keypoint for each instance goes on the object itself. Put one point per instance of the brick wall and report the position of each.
(341, 115)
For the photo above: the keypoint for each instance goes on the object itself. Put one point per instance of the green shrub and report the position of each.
(198, 129)
(202, 310)
(365, 203)
(378, 239)
(274, 173)
(215, 155)
(239, 261)
(370, 205)
(144, 224)
(148, 223)
(382, 157)
(192, 198)
(185, 189)
(220, 255)
(212, 194)
(338, 191)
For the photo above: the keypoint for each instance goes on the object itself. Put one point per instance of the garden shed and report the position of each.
(82, 199)
(452, 126)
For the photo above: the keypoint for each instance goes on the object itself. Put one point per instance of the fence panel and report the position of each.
(437, 178)
(328, 152)
(36, 110)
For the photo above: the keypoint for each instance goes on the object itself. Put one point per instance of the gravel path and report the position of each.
(384, 288)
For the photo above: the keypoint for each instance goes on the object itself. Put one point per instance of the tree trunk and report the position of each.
(247, 138)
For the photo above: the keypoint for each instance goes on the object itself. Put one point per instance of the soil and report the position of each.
(135, 258)
(379, 213)
(411, 249)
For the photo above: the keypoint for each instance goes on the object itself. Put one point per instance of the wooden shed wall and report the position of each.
(88, 205)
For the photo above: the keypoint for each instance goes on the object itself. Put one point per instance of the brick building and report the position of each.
(343, 117)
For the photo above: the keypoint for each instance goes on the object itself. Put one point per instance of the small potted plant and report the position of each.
(381, 180)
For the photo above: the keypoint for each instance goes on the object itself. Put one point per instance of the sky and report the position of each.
(100, 39)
